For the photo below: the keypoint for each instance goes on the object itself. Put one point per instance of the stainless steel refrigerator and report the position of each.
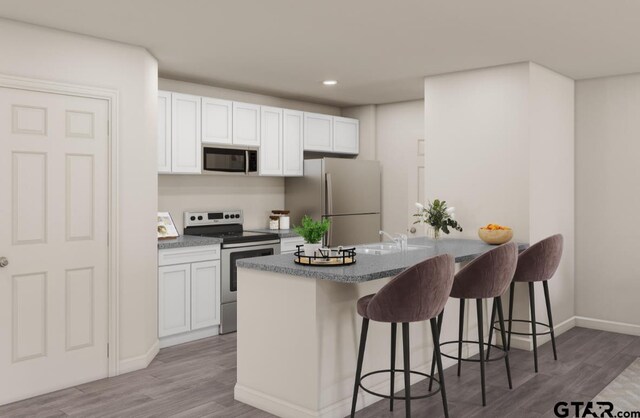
(343, 190)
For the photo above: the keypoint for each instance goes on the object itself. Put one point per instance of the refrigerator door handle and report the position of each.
(329, 186)
(329, 236)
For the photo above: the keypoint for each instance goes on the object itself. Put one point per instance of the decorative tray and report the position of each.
(326, 257)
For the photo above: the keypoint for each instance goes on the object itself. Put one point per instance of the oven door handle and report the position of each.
(254, 246)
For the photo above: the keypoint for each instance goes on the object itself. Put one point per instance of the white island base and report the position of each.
(298, 343)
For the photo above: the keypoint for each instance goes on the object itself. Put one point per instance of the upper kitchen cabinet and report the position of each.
(217, 121)
(164, 132)
(186, 147)
(346, 136)
(293, 147)
(318, 132)
(271, 146)
(246, 124)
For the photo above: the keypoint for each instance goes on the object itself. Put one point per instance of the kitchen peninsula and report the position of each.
(299, 330)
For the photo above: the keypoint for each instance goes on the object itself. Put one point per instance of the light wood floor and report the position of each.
(197, 379)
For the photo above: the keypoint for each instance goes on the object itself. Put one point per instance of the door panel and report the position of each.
(352, 186)
(293, 143)
(54, 223)
(186, 145)
(271, 141)
(353, 230)
(174, 299)
(205, 294)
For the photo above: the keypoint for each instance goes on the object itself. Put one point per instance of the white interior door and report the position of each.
(416, 189)
(53, 223)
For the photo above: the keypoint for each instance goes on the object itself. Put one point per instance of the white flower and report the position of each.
(451, 212)
(420, 206)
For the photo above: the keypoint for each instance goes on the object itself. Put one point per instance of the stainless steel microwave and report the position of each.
(228, 160)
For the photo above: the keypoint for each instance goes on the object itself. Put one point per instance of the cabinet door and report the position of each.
(216, 121)
(174, 299)
(186, 147)
(270, 163)
(205, 294)
(246, 124)
(346, 137)
(293, 155)
(318, 132)
(164, 132)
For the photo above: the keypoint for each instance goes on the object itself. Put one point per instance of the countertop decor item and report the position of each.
(166, 227)
(438, 216)
(312, 232)
(326, 257)
(495, 234)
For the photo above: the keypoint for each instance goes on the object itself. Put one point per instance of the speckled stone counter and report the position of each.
(371, 267)
(187, 241)
(282, 233)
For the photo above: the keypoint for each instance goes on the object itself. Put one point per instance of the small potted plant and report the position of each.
(437, 215)
(312, 232)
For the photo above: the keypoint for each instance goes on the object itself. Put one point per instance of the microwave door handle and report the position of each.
(246, 162)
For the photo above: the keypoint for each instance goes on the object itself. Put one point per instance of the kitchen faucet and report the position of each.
(400, 239)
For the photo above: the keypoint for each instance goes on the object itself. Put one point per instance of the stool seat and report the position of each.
(363, 304)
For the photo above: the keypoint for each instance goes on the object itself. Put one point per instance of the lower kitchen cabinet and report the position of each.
(289, 245)
(188, 294)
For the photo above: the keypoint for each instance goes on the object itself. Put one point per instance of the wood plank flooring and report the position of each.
(197, 379)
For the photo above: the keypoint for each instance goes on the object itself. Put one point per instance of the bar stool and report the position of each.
(486, 277)
(417, 294)
(537, 263)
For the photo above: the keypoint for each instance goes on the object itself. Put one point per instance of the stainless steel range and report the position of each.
(236, 244)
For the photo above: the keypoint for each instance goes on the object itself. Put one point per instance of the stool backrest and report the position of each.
(540, 261)
(417, 294)
(488, 275)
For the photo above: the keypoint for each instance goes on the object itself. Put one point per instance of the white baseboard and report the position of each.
(139, 362)
(526, 343)
(611, 326)
(186, 337)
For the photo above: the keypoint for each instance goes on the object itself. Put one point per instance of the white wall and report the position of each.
(256, 196)
(34, 52)
(608, 198)
(500, 149)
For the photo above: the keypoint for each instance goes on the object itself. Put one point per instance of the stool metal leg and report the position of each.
(407, 368)
(363, 342)
(461, 325)
(532, 303)
(503, 337)
(545, 284)
(493, 319)
(511, 291)
(435, 331)
(481, 346)
(433, 359)
(394, 327)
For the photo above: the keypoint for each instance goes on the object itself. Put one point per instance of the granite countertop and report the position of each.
(282, 233)
(187, 241)
(371, 267)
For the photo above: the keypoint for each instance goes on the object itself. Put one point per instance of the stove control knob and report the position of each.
(193, 218)
(199, 218)
(237, 216)
(226, 216)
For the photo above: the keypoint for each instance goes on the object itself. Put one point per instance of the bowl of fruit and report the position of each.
(495, 234)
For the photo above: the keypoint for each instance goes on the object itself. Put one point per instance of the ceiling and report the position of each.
(378, 50)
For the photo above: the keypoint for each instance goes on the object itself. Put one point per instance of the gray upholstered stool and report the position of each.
(537, 263)
(486, 277)
(417, 294)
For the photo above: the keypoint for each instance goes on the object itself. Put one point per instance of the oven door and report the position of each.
(229, 256)
(224, 160)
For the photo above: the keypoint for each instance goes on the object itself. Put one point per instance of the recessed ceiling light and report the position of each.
(330, 82)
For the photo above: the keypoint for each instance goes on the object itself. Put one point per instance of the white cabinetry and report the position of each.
(186, 148)
(293, 145)
(246, 124)
(346, 137)
(217, 121)
(289, 245)
(188, 294)
(164, 132)
(318, 132)
(271, 145)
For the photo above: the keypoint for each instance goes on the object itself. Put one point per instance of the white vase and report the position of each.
(310, 249)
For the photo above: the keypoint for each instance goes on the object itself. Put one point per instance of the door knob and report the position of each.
(413, 230)
(4, 262)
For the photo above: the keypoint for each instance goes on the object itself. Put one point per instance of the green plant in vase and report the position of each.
(438, 216)
(312, 232)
